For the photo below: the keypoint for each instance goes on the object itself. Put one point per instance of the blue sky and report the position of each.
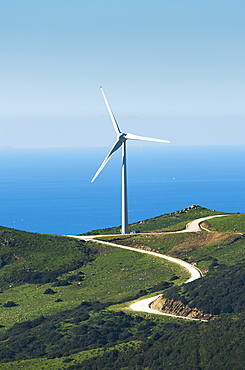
(170, 69)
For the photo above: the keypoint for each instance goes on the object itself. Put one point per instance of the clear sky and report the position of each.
(170, 69)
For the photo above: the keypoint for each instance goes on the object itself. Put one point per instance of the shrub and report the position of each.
(49, 291)
(61, 283)
(10, 304)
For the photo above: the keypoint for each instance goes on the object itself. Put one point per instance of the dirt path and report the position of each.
(144, 304)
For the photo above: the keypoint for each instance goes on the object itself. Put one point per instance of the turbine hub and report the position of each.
(122, 137)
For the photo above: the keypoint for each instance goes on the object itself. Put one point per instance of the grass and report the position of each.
(229, 224)
(24, 254)
(199, 248)
(115, 274)
(111, 274)
(66, 362)
(228, 251)
(172, 221)
(40, 251)
(77, 358)
(136, 270)
(103, 281)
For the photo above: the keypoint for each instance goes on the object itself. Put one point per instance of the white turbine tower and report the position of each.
(121, 142)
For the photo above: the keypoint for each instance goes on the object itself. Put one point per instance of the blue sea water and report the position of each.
(49, 190)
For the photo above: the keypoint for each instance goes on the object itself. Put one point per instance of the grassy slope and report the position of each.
(226, 243)
(200, 248)
(23, 254)
(58, 363)
(104, 267)
(98, 285)
(229, 224)
(203, 248)
(173, 221)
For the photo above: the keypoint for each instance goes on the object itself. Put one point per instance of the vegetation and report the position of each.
(86, 327)
(217, 345)
(199, 248)
(222, 291)
(131, 342)
(39, 259)
(82, 271)
(168, 222)
(228, 224)
(83, 320)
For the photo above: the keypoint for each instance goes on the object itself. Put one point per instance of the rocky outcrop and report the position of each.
(177, 308)
(193, 206)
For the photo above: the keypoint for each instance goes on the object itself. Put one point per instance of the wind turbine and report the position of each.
(121, 142)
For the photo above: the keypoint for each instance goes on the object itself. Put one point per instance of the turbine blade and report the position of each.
(115, 125)
(112, 151)
(136, 137)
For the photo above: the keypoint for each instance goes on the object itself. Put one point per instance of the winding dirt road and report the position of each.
(144, 304)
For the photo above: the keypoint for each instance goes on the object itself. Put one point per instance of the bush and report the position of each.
(221, 291)
(61, 283)
(174, 277)
(49, 291)
(160, 286)
(10, 304)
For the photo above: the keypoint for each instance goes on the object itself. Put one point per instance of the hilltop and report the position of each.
(167, 222)
(83, 320)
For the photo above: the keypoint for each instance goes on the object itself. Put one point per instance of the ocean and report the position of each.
(49, 190)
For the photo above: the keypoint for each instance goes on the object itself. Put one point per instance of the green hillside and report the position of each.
(229, 224)
(167, 222)
(36, 258)
(84, 322)
(74, 270)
